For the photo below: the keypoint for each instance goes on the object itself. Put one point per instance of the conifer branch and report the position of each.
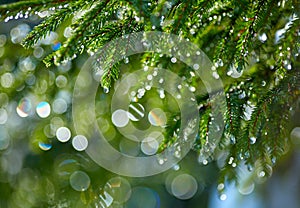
(29, 7)
(53, 22)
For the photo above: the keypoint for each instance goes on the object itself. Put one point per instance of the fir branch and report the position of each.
(205, 119)
(111, 31)
(244, 34)
(287, 47)
(264, 14)
(83, 28)
(53, 22)
(26, 8)
(267, 116)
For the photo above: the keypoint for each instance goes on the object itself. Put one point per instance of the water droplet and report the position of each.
(242, 95)
(204, 162)
(126, 60)
(263, 37)
(160, 161)
(215, 75)
(288, 66)
(232, 139)
(149, 77)
(223, 197)
(249, 108)
(68, 32)
(148, 87)
(173, 60)
(273, 160)
(106, 90)
(120, 118)
(252, 140)
(80, 181)
(63, 134)
(220, 186)
(192, 89)
(249, 167)
(220, 62)
(178, 96)
(233, 72)
(261, 174)
(157, 117)
(80, 142)
(176, 167)
(184, 186)
(196, 66)
(119, 189)
(162, 94)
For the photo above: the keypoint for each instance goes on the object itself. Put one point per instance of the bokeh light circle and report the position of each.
(63, 134)
(119, 189)
(144, 197)
(80, 142)
(84, 96)
(157, 117)
(120, 118)
(184, 186)
(80, 181)
(24, 107)
(43, 109)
